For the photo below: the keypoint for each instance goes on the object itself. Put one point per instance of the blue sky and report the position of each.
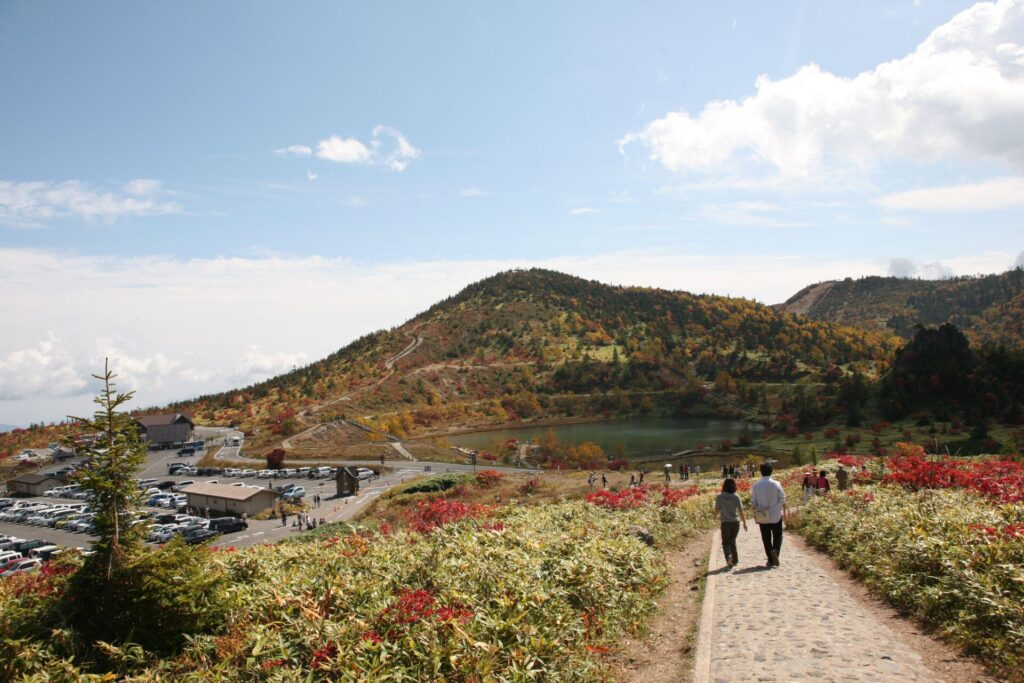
(343, 165)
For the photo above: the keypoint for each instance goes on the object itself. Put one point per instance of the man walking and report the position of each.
(842, 476)
(769, 503)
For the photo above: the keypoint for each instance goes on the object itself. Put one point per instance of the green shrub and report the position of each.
(950, 558)
(438, 482)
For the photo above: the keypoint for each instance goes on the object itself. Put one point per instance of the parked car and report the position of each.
(23, 566)
(284, 488)
(187, 452)
(164, 485)
(247, 473)
(231, 472)
(294, 494)
(182, 484)
(43, 552)
(174, 502)
(302, 472)
(321, 473)
(365, 473)
(26, 546)
(145, 483)
(8, 555)
(199, 536)
(226, 525)
(10, 543)
(266, 474)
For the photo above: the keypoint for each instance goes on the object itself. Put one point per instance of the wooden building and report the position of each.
(32, 484)
(232, 500)
(347, 481)
(165, 430)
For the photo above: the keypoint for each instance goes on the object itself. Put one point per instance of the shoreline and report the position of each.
(520, 424)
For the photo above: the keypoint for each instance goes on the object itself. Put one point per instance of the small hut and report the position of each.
(347, 480)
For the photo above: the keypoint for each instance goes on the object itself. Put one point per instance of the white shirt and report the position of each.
(768, 494)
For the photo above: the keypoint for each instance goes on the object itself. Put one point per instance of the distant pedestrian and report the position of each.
(591, 479)
(322, 521)
(668, 473)
(641, 480)
(842, 478)
(809, 485)
(823, 484)
(207, 512)
(604, 480)
(768, 501)
(696, 470)
(245, 517)
(725, 471)
(729, 508)
(632, 480)
(284, 518)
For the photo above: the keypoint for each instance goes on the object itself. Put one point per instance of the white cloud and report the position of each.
(905, 267)
(343, 150)
(45, 369)
(751, 213)
(387, 147)
(1019, 263)
(997, 193)
(398, 157)
(471, 192)
(311, 176)
(307, 308)
(35, 203)
(582, 211)
(959, 95)
(255, 365)
(294, 150)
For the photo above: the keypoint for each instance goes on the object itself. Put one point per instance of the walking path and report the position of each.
(792, 623)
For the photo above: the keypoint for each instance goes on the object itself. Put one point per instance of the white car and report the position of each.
(182, 484)
(365, 473)
(168, 532)
(8, 555)
(23, 567)
(231, 472)
(247, 473)
(174, 503)
(265, 474)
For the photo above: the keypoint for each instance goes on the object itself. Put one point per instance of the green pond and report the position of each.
(637, 438)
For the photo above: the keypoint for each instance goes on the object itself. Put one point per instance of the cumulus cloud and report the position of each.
(959, 95)
(905, 267)
(44, 369)
(343, 150)
(996, 193)
(35, 203)
(294, 151)
(387, 148)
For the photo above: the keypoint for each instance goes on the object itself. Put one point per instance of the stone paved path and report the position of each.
(758, 624)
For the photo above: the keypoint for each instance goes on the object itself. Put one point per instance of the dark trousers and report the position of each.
(729, 532)
(771, 536)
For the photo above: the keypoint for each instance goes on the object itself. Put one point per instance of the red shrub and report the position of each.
(430, 515)
(488, 478)
(626, 499)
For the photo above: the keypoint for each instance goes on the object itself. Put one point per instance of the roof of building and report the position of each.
(32, 478)
(165, 419)
(227, 491)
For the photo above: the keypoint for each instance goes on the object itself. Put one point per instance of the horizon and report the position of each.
(302, 176)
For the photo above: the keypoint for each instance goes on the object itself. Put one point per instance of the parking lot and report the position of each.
(259, 531)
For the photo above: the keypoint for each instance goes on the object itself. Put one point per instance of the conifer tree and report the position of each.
(110, 476)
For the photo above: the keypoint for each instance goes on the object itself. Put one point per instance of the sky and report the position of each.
(212, 193)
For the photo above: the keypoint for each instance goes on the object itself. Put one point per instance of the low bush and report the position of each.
(953, 558)
(514, 593)
(438, 482)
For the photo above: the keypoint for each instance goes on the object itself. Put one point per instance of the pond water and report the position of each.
(635, 438)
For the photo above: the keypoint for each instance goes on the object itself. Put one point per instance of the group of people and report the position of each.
(817, 483)
(768, 501)
(737, 471)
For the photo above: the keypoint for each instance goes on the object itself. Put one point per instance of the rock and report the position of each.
(642, 533)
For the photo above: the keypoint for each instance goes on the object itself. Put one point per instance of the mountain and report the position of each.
(988, 308)
(537, 343)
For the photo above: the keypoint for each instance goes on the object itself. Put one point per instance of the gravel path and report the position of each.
(792, 623)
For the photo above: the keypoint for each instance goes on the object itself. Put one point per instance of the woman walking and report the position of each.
(729, 508)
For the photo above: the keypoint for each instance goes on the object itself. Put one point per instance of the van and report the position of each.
(320, 472)
(43, 552)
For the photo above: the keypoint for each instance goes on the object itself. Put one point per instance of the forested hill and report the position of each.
(535, 333)
(987, 308)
